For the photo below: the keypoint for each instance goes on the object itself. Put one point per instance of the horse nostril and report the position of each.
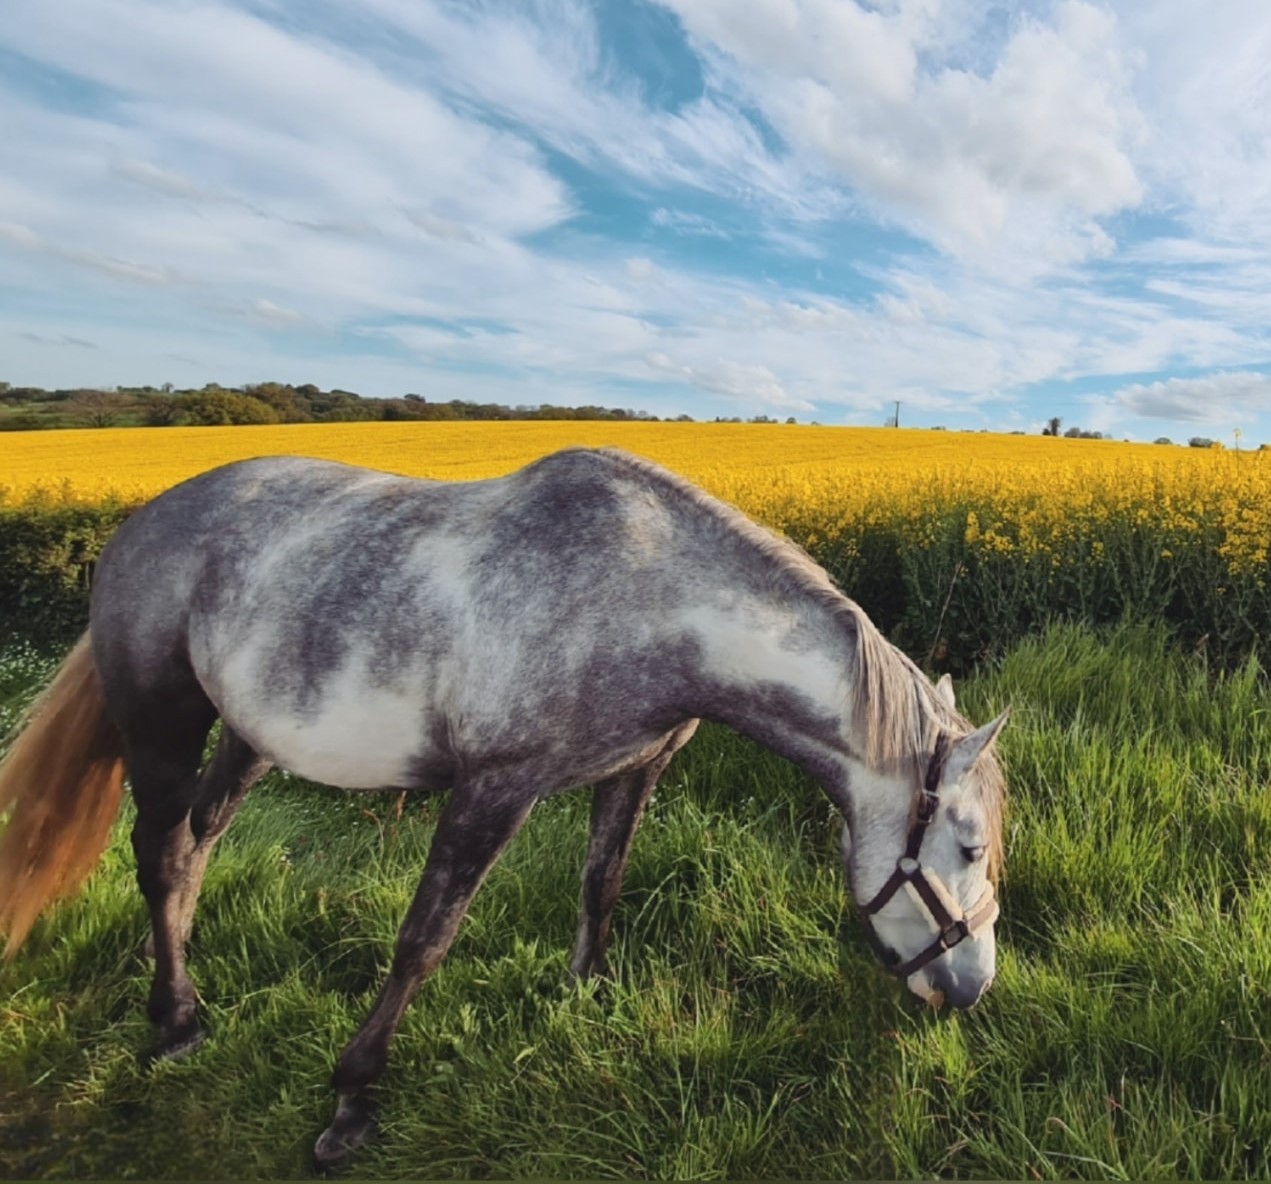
(969, 994)
(959, 992)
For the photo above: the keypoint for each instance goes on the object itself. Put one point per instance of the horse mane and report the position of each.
(895, 706)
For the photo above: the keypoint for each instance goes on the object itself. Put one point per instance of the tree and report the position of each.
(402, 409)
(282, 399)
(1052, 426)
(97, 409)
(213, 408)
(1162, 440)
(160, 411)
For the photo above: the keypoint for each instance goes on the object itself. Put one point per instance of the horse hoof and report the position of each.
(350, 1129)
(172, 1046)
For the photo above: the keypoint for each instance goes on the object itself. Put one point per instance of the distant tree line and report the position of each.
(25, 407)
(1054, 424)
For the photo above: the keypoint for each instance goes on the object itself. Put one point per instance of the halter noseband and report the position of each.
(951, 923)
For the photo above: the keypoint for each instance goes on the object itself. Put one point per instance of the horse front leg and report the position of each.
(616, 808)
(475, 826)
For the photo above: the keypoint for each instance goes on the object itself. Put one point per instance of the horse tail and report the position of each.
(61, 784)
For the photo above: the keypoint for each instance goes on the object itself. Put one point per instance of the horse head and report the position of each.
(925, 877)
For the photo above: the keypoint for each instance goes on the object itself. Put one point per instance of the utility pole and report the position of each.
(896, 422)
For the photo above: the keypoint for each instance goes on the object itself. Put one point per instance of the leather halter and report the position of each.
(952, 924)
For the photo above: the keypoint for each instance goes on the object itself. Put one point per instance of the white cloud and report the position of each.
(684, 222)
(1169, 251)
(125, 269)
(144, 173)
(541, 67)
(442, 228)
(1012, 168)
(642, 270)
(1206, 399)
(20, 236)
(213, 98)
(274, 314)
(747, 384)
(1206, 93)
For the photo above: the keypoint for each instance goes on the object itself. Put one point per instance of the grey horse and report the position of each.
(566, 625)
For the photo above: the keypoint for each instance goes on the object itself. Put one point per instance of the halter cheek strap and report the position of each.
(951, 923)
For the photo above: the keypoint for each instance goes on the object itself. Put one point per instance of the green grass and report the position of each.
(747, 1032)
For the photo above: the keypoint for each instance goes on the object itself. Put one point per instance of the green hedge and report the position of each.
(953, 607)
(48, 550)
(946, 602)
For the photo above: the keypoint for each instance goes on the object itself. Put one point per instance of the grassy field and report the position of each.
(747, 1032)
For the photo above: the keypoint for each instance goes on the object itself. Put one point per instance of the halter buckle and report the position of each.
(956, 932)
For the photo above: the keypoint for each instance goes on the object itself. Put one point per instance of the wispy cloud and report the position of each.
(141, 172)
(747, 384)
(1191, 400)
(543, 68)
(60, 340)
(124, 269)
(1012, 168)
(270, 313)
(684, 222)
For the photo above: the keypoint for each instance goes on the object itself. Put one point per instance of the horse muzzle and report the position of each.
(950, 923)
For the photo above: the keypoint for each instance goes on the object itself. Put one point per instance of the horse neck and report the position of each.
(779, 670)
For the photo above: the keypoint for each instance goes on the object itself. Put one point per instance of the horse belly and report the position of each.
(355, 736)
(373, 745)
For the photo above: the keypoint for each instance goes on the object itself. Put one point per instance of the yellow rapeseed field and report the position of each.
(955, 542)
(143, 461)
(1020, 494)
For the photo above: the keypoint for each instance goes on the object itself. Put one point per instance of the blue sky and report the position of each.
(992, 212)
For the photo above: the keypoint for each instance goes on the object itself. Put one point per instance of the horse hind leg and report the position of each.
(234, 768)
(163, 760)
(616, 808)
(477, 823)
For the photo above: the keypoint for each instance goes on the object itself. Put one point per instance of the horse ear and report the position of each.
(965, 752)
(944, 691)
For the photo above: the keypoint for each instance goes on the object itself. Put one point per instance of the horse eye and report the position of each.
(973, 854)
